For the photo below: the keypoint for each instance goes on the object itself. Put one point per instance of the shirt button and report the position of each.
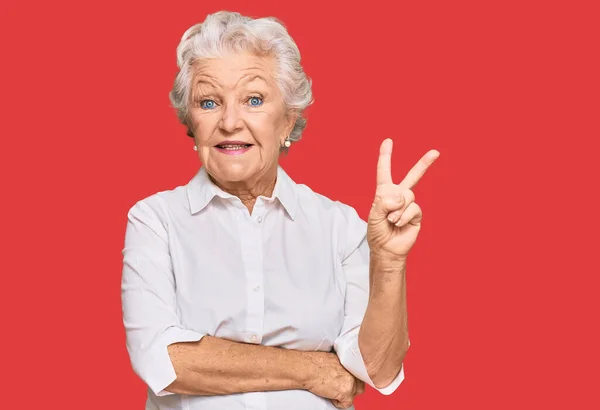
(253, 338)
(256, 288)
(259, 219)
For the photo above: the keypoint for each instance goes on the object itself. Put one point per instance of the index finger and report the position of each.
(417, 171)
(384, 163)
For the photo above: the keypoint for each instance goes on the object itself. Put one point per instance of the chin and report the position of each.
(235, 173)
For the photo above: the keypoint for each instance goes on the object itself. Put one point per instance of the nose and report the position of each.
(231, 120)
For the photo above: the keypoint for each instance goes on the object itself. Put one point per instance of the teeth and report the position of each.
(232, 147)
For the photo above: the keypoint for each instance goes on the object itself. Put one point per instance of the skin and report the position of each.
(230, 85)
(393, 226)
(221, 108)
(215, 366)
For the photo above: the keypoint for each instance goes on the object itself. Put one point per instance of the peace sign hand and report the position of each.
(395, 218)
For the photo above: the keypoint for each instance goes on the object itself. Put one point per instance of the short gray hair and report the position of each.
(226, 31)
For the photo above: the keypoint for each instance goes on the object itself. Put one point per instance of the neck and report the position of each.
(249, 190)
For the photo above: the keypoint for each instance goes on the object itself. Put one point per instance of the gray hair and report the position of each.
(226, 31)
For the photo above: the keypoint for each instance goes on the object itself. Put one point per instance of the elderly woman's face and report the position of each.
(237, 116)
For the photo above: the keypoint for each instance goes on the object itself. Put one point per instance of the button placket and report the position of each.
(252, 256)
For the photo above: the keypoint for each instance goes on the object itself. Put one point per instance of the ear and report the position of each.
(188, 124)
(291, 117)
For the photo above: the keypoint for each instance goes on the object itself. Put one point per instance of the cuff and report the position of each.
(351, 358)
(155, 368)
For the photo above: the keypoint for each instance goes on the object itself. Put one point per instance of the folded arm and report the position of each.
(215, 366)
(173, 360)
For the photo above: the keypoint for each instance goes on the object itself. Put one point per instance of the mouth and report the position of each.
(233, 147)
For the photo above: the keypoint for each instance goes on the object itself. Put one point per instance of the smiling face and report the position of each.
(238, 118)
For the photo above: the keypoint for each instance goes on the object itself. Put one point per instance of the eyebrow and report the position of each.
(248, 78)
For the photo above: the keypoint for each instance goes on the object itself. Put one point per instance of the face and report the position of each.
(238, 117)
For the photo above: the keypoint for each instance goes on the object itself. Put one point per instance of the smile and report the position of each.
(233, 149)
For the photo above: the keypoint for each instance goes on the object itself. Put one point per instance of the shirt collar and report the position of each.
(201, 190)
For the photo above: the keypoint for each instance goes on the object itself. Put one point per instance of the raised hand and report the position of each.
(395, 218)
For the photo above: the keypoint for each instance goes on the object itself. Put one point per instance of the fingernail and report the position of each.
(391, 218)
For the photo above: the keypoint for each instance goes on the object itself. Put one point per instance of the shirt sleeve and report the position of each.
(148, 298)
(356, 271)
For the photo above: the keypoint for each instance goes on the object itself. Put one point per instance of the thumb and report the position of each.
(388, 199)
(341, 404)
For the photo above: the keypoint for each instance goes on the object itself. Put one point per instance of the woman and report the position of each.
(243, 289)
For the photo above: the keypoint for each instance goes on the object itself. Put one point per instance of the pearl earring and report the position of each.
(195, 148)
(287, 143)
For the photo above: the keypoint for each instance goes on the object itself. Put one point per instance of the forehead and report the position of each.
(234, 70)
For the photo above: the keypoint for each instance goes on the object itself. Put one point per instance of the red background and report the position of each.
(503, 281)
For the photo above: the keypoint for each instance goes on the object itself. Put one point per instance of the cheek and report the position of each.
(266, 130)
(204, 153)
(203, 129)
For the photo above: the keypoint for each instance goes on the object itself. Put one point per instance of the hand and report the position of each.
(395, 218)
(332, 381)
(345, 403)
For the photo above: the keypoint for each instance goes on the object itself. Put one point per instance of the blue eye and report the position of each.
(255, 101)
(208, 104)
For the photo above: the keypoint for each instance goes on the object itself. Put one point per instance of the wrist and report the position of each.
(384, 263)
(308, 369)
(385, 255)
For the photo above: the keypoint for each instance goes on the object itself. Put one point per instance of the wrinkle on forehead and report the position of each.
(233, 70)
(245, 79)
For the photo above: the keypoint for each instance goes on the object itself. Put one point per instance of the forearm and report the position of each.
(383, 337)
(215, 366)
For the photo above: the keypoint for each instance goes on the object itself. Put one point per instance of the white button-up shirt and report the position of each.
(293, 274)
